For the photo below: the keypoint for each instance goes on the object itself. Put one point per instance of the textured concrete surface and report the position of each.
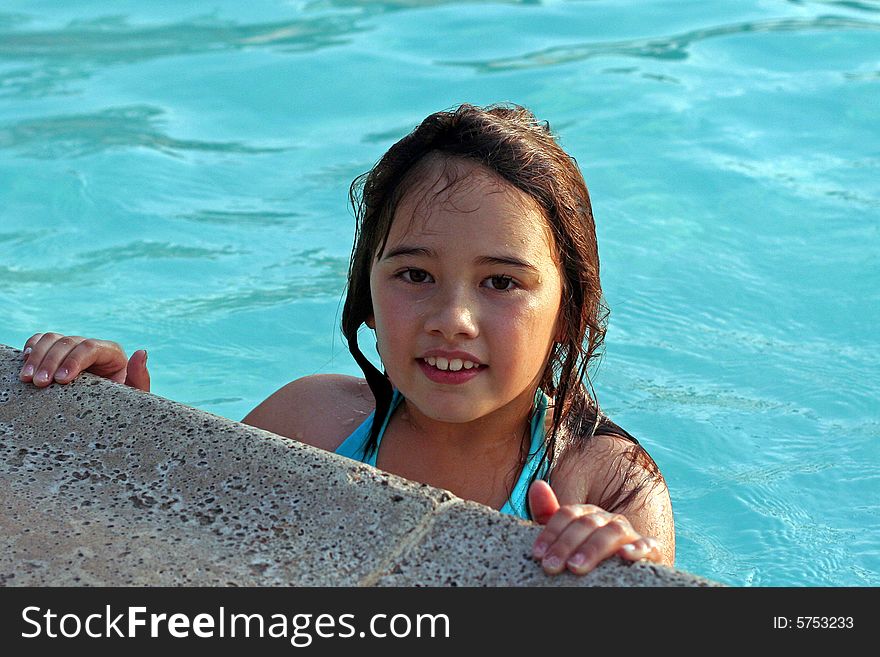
(103, 485)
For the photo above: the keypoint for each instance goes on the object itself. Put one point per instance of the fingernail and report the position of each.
(539, 550)
(145, 356)
(61, 374)
(28, 370)
(42, 375)
(577, 560)
(27, 351)
(629, 548)
(552, 563)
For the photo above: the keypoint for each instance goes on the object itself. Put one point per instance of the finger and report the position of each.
(101, 357)
(57, 363)
(643, 548)
(542, 501)
(38, 344)
(567, 514)
(601, 544)
(582, 536)
(557, 524)
(29, 345)
(98, 356)
(136, 374)
(33, 369)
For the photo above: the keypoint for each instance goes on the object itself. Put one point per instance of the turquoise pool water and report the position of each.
(176, 179)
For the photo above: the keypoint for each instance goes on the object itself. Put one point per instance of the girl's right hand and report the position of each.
(52, 357)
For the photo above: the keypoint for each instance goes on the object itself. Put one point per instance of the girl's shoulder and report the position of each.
(603, 469)
(581, 469)
(320, 410)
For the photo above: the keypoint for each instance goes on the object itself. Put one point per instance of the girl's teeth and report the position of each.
(453, 365)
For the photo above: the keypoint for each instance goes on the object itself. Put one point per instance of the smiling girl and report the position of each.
(475, 263)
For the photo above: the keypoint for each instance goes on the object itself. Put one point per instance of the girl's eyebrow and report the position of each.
(508, 260)
(405, 250)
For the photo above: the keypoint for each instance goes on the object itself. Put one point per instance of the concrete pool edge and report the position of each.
(103, 485)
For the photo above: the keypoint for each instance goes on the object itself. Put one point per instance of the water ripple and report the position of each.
(389, 6)
(225, 304)
(752, 477)
(846, 4)
(75, 135)
(869, 75)
(809, 176)
(110, 40)
(22, 238)
(324, 279)
(241, 218)
(693, 397)
(386, 136)
(143, 250)
(75, 51)
(90, 262)
(667, 48)
(12, 20)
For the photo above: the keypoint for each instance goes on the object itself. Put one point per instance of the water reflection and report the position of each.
(76, 135)
(674, 47)
(82, 47)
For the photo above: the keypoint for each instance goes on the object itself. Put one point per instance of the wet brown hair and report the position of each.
(509, 141)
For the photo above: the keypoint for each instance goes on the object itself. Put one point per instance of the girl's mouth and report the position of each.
(452, 365)
(454, 371)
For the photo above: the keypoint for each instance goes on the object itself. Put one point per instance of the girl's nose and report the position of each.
(452, 315)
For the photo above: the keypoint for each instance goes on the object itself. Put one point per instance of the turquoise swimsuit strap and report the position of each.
(355, 446)
(517, 504)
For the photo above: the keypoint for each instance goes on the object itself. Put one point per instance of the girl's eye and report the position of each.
(415, 275)
(501, 283)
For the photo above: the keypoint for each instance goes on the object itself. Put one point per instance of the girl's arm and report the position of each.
(319, 410)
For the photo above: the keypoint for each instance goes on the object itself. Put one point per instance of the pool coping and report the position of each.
(105, 485)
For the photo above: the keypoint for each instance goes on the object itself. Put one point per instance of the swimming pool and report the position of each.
(178, 181)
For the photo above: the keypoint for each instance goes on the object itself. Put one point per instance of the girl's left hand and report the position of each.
(579, 536)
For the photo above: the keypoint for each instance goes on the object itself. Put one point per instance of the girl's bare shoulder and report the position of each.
(319, 410)
(585, 471)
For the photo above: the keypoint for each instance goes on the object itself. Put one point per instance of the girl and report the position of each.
(475, 263)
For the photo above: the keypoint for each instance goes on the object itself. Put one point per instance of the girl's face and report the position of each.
(466, 296)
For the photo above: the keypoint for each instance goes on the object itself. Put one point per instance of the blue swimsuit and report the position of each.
(517, 504)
